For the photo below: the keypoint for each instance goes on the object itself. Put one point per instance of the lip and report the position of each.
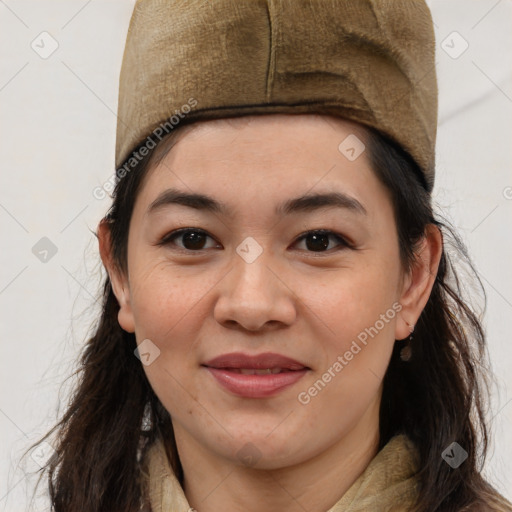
(226, 370)
(257, 362)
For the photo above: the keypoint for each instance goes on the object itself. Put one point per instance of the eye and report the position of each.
(319, 240)
(192, 239)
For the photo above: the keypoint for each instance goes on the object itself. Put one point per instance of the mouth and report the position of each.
(259, 376)
(267, 362)
(255, 371)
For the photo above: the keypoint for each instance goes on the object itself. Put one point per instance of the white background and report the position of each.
(57, 139)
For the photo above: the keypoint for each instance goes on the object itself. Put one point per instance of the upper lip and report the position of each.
(257, 362)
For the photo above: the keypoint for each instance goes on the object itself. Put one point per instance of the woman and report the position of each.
(282, 327)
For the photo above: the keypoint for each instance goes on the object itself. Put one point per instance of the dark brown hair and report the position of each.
(437, 397)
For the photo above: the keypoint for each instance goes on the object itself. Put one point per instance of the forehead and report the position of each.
(260, 159)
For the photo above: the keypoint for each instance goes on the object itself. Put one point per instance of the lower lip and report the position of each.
(256, 386)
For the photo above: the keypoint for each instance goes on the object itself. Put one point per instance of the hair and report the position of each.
(437, 397)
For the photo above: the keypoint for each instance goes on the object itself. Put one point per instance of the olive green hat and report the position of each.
(369, 61)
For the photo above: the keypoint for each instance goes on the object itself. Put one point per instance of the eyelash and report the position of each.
(167, 239)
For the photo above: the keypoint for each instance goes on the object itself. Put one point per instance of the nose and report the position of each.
(254, 297)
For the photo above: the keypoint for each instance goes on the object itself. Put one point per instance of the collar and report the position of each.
(387, 483)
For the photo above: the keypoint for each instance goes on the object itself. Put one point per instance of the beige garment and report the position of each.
(388, 483)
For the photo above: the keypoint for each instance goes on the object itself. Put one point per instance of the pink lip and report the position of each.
(224, 369)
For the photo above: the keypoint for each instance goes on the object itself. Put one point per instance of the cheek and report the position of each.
(360, 316)
(353, 300)
(359, 310)
(168, 306)
(164, 300)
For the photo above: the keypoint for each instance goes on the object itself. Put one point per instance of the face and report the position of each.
(268, 309)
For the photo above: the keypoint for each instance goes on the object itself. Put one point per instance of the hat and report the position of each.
(368, 61)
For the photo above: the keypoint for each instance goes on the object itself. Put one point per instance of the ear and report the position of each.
(419, 281)
(117, 278)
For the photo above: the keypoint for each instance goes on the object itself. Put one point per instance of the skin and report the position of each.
(305, 304)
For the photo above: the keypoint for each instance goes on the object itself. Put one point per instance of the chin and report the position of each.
(260, 450)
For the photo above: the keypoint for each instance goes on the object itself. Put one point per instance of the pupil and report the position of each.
(319, 242)
(193, 240)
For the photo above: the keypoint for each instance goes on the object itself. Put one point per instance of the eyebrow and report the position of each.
(305, 203)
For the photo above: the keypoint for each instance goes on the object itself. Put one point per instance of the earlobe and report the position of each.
(420, 281)
(117, 278)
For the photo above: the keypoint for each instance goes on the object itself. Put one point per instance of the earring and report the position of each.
(406, 352)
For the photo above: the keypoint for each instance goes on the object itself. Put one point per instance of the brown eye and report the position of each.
(319, 240)
(191, 239)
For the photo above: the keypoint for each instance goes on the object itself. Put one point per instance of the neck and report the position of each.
(212, 483)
